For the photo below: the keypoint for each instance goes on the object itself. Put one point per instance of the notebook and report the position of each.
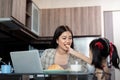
(26, 61)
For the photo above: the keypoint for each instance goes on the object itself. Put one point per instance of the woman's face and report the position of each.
(64, 39)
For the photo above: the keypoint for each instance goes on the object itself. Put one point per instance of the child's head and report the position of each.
(101, 48)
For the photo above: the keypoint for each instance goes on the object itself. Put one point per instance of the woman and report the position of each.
(62, 38)
(100, 49)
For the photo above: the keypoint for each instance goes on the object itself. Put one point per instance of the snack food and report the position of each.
(55, 67)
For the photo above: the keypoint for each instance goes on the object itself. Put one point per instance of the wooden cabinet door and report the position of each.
(5, 8)
(86, 21)
(83, 21)
(19, 10)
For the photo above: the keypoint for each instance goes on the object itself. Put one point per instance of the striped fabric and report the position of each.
(47, 59)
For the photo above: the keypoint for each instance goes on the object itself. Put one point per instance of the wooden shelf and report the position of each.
(28, 13)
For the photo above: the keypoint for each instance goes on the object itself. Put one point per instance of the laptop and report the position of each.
(26, 61)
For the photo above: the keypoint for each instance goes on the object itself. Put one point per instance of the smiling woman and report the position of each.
(58, 54)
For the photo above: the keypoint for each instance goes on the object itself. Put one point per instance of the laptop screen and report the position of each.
(26, 61)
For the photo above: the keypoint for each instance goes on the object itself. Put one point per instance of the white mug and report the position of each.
(75, 67)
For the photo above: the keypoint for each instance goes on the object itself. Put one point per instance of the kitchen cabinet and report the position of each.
(14, 9)
(16, 19)
(82, 20)
(20, 14)
(19, 10)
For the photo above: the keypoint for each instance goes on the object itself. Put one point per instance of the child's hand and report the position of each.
(69, 49)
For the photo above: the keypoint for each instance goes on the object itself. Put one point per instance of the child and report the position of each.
(100, 50)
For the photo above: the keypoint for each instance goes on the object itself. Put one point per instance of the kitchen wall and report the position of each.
(106, 5)
(116, 35)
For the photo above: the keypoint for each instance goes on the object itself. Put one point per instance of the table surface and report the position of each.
(46, 74)
(50, 73)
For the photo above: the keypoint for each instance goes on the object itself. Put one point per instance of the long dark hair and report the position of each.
(102, 48)
(59, 30)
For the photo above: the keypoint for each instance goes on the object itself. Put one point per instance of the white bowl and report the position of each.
(75, 67)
